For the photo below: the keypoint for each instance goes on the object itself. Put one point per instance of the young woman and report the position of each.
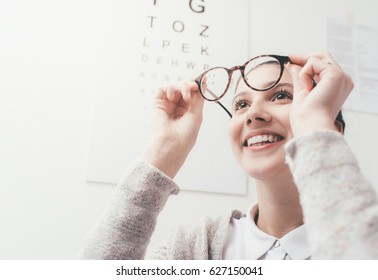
(284, 132)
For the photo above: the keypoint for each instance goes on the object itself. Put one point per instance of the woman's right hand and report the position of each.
(176, 120)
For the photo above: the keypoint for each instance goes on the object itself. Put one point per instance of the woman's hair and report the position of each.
(340, 119)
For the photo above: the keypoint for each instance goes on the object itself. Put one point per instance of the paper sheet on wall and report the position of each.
(355, 46)
(152, 43)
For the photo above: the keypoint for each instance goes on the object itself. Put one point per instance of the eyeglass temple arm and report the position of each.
(220, 104)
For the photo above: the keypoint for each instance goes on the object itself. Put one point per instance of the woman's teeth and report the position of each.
(263, 139)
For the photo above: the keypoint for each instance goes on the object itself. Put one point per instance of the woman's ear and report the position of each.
(339, 126)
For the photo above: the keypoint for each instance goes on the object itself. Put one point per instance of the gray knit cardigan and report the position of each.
(340, 209)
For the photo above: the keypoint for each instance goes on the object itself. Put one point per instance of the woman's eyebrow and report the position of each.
(284, 85)
(242, 93)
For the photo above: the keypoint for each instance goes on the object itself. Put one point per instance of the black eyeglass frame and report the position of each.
(281, 59)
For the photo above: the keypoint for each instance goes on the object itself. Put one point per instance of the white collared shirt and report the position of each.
(246, 241)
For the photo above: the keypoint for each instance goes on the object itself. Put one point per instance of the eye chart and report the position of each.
(151, 43)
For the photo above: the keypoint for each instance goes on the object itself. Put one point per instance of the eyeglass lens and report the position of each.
(260, 73)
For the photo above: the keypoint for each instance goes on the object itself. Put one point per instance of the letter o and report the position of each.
(181, 25)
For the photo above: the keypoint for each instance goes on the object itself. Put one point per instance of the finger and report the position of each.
(300, 90)
(187, 88)
(294, 71)
(325, 57)
(173, 94)
(194, 86)
(313, 70)
(298, 59)
(192, 96)
(300, 79)
(328, 58)
(160, 93)
(302, 59)
(197, 103)
(166, 92)
(185, 93)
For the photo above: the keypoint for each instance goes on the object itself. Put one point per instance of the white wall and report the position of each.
(49, 52)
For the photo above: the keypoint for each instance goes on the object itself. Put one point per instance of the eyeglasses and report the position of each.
(214, 83)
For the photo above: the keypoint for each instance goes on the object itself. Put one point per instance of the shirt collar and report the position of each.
(260, 241)
(294, 243)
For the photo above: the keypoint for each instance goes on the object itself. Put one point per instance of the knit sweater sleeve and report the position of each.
(125, 227)
(340, 205)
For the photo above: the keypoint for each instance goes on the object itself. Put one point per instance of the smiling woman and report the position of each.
(284, 133)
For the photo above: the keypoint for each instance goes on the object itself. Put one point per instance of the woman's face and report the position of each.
(260, 126)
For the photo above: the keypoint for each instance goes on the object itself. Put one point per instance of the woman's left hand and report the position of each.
(316, 108)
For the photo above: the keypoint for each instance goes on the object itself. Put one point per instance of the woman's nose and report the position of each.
(257, 113)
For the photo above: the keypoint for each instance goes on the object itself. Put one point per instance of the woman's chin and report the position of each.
(265, 171)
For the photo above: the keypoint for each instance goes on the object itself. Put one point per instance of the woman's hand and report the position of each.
(176, 120)
(316, 108)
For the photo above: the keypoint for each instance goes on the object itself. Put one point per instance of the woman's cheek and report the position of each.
(235, 132)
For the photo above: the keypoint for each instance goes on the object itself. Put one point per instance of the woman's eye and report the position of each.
(241, 104)
(281, 95)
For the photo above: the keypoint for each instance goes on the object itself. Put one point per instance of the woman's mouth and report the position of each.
(263, 139)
